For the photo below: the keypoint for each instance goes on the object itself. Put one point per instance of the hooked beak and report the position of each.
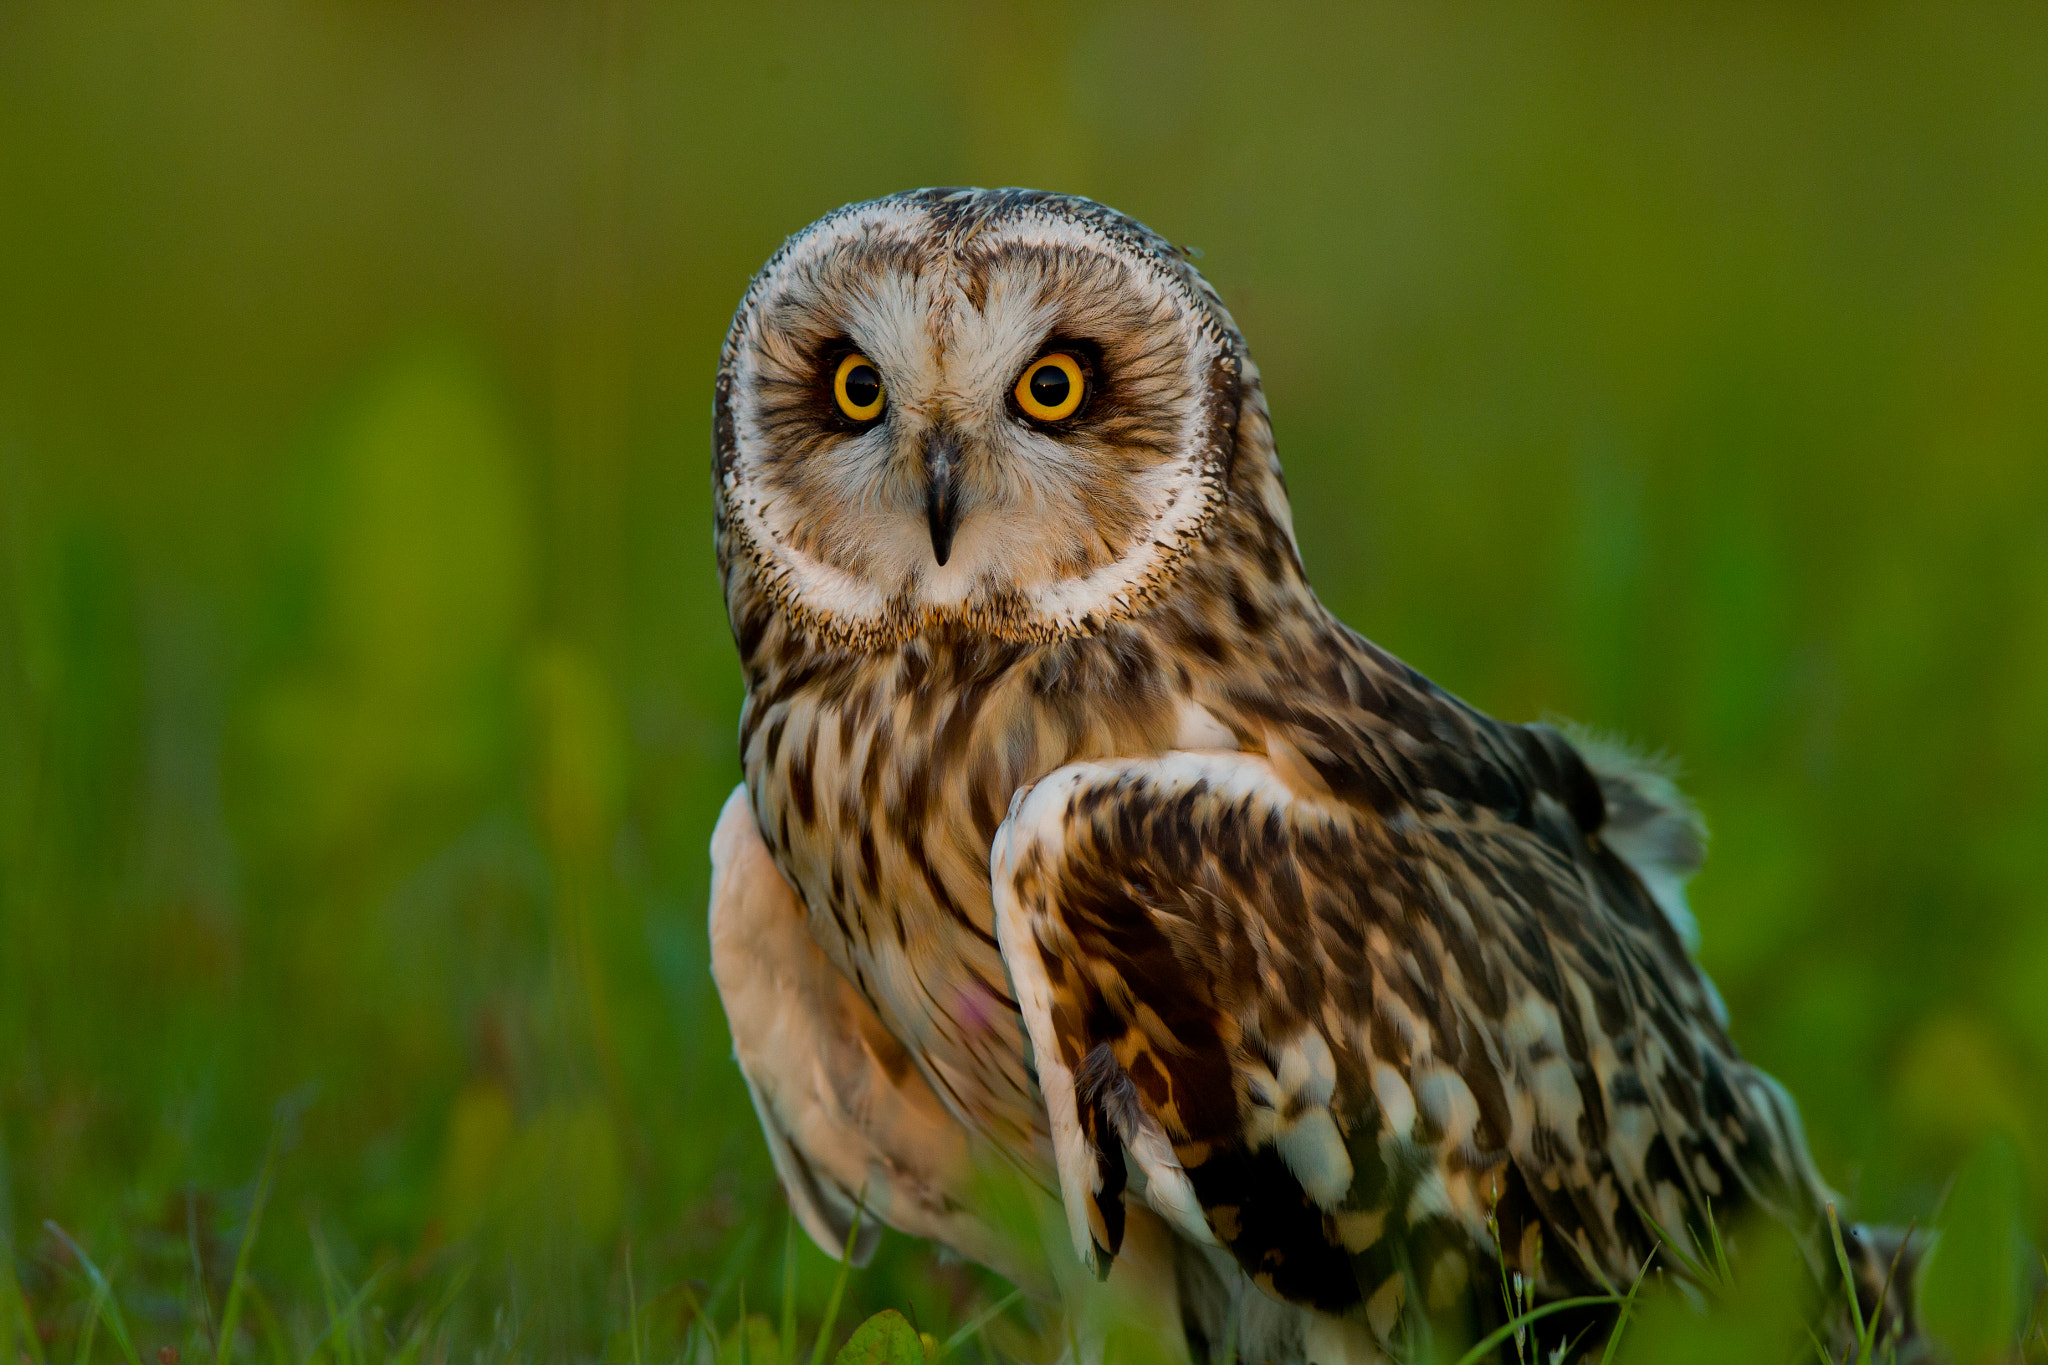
(942, 491)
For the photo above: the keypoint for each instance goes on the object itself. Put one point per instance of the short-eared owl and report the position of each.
(1077, 833)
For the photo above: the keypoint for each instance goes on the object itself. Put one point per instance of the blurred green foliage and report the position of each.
(366, 698)
(1971, 1296)
(1762, 1316)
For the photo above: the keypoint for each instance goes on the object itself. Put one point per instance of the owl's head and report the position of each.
(1011, 410)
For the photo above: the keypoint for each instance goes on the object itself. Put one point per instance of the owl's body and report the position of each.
(1105, 850)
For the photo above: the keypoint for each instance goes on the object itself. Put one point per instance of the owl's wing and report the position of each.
(1340, 1043)
(850, 1122)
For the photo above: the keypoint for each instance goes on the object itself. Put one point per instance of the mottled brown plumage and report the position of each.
(1120, 857)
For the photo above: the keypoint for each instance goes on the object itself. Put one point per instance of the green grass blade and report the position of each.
(14, 1310)
(83, 1355)
(205, 1301)
(786, 1326)
(700, 1320)
(977, 1322)
(1628, 1306)
(323, 1260)
(1849, 1287)
(102, 1295)
(431, 1321)
(457, 1282)
(8, 1313)
(231, 1311)
(325, 1268)
(632, 1307)
(1721, 1266)
(1699, 1272)
(838, 1287)
(1508, 1329)
(337, 1322)
(733, 1271)
(1891, 1273)
(424, 1325)
(273, 1329)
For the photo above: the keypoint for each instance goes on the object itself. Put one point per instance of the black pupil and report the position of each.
(1049, 385)
(863, 386)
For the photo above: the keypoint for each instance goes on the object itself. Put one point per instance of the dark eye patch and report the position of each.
(862, 385)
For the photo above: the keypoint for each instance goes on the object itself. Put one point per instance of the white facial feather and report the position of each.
(951, 326)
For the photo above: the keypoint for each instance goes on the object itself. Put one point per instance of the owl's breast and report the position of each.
(878, 785)
(878, 800)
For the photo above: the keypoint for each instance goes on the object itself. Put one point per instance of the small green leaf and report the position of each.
(887, 1338)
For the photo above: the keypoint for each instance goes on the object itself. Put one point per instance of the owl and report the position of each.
(1078, 837)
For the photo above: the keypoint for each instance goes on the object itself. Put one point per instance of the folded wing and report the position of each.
(1356, 1047)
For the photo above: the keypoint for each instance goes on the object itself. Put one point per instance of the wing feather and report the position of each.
(1091, 1177)
(1341, 1042)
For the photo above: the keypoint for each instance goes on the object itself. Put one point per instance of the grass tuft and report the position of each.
(343, 1324)
(103, 1301)
(238, 1286)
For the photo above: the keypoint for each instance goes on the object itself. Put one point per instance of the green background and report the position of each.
(366, 698)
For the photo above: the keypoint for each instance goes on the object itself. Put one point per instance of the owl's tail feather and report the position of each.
(1650, 823)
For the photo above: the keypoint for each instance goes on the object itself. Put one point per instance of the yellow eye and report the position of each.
(1051, 387)
(857, 387)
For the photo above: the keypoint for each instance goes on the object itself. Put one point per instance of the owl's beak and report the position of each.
(942, 491)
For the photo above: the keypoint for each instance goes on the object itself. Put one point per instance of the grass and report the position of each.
(366, 697)
(355, 1329)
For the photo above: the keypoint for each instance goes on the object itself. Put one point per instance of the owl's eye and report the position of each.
(1051, 387)
(857, 388)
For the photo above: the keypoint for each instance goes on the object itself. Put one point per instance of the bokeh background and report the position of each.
(366, 699)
